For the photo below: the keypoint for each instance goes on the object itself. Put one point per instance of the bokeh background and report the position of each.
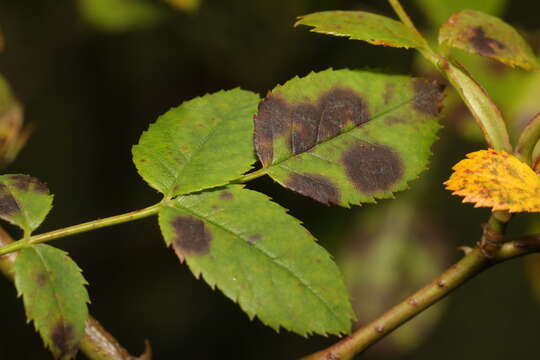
(93, 74)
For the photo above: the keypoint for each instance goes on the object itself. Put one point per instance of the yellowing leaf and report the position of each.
(496, 179)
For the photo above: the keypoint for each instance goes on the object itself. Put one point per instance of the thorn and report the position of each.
(466, 249)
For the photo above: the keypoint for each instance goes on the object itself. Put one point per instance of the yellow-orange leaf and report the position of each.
(496, 179)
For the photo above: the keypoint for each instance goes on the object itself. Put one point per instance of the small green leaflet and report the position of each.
(489, 36)
(54, 297)
(359, 25)
(203, 143)
(260, 257)
(24, 201)
(347, 137)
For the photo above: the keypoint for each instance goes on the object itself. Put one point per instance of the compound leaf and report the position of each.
(359, 25)
(54, 297)
(496, 179)
(347, 137)
(260, 257)
(203, 143)
(488, 36)
(24, 201)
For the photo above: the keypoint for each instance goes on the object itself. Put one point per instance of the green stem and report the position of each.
(406, 20)
(472, 264)
(76, 229)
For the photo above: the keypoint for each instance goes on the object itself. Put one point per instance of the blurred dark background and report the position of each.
(91, 85)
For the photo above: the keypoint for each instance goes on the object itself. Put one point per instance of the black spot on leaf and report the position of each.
(63, 338)
(315, 186)
(8, 205)
(226, 195)
(305, 125)
(428, 96)
(270, 122)
(192, 237)
(372, 167)
(28, 183)
(484, 45)
(340, 107)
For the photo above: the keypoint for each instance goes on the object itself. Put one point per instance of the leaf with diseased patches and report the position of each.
(348, 137)
(203, 143)
(24, 201)
(54, 297)
(260, 257)
(488, 36)
(497, 180)
(359, 25)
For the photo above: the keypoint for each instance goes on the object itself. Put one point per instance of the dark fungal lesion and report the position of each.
(192, 238)
(315, 186)
(372, 167)
(28, 183)
(428, 96)
(8, 204)
(226, 195)
(307, 124)
(63, 338)
(482, 44)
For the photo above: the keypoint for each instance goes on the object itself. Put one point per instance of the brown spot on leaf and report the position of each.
(306, 124)
(484, 45)
(8, 205)
(42, 278)
(270, 122)
(192, 237)
(226, 195)
(315, 186)
(63, 338)
(372, 167)
(428, 96)
(26, 183)
(340, 107)
(254, 238)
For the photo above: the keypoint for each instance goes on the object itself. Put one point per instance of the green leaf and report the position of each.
(260, 257)
(486, 113)
(440, 10)
(54, 297)
(347, 137)
(203, 143)
(24, 201)
(359, 25)
(488, 36)
(119, 15)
